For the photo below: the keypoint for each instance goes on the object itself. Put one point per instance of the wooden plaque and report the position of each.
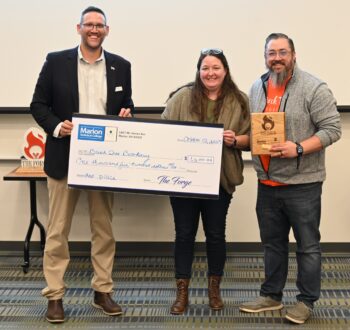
(267, 128)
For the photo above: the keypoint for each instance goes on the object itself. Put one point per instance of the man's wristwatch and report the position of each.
(300, 151)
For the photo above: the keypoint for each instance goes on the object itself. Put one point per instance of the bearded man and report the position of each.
(290, 178)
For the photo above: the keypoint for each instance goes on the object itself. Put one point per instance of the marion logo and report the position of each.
(91, 132)
(34, 144)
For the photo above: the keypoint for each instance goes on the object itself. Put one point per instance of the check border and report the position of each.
(146, 191)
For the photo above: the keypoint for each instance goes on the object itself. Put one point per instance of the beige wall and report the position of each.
(149, 218)
(163, 38)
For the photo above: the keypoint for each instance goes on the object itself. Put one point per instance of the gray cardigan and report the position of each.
(310, 109)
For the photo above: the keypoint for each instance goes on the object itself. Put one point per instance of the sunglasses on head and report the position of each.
(211, 51)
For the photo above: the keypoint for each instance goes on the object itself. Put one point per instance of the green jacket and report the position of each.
(231, 117)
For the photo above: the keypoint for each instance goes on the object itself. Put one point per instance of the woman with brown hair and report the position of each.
(212, 98)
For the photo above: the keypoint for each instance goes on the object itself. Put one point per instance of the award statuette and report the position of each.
(32, 161)
(267, 128)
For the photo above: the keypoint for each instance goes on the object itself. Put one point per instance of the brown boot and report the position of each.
(103, 300)
(181, 302)
(215, 301)
(55, 312)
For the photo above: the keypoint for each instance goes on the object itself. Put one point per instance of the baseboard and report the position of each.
(158, 248)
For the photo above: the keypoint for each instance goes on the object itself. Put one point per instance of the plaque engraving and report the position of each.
(267, 128)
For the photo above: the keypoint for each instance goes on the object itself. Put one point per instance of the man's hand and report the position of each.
(125, 112)
(66, 128)
(284, 150)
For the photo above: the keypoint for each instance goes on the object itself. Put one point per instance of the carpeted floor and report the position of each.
(145, 288)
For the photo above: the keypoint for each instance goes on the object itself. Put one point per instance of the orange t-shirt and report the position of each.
(273, 101)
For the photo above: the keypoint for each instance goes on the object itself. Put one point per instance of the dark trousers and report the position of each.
(279, 209)
(186, 216)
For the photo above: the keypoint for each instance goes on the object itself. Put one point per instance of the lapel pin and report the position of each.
(112, 68)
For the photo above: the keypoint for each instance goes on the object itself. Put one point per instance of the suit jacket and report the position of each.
(56, 98)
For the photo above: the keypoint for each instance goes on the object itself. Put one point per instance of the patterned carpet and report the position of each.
(145, 288)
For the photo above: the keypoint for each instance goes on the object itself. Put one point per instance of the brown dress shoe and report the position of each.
(103, 300)
(215, 301)
(181, 302)
(55, 312)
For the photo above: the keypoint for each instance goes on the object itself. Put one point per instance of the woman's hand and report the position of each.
(230, 138)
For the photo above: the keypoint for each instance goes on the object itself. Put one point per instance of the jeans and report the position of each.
(186, 216)
(279, 209)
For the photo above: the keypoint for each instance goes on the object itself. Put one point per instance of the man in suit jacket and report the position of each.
(86, 79)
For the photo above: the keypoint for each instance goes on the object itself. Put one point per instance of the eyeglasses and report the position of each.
(281, 53)
(90, 26)
(211, 51)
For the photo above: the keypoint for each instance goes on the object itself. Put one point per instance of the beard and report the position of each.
(279, 78)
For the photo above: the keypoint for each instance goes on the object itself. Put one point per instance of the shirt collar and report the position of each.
(81, 57)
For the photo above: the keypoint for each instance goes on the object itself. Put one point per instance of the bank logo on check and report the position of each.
(97, 133)
(91, 132)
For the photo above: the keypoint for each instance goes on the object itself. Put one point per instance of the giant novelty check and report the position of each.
(145, 156)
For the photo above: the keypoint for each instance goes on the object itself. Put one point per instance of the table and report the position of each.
(20, 174)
